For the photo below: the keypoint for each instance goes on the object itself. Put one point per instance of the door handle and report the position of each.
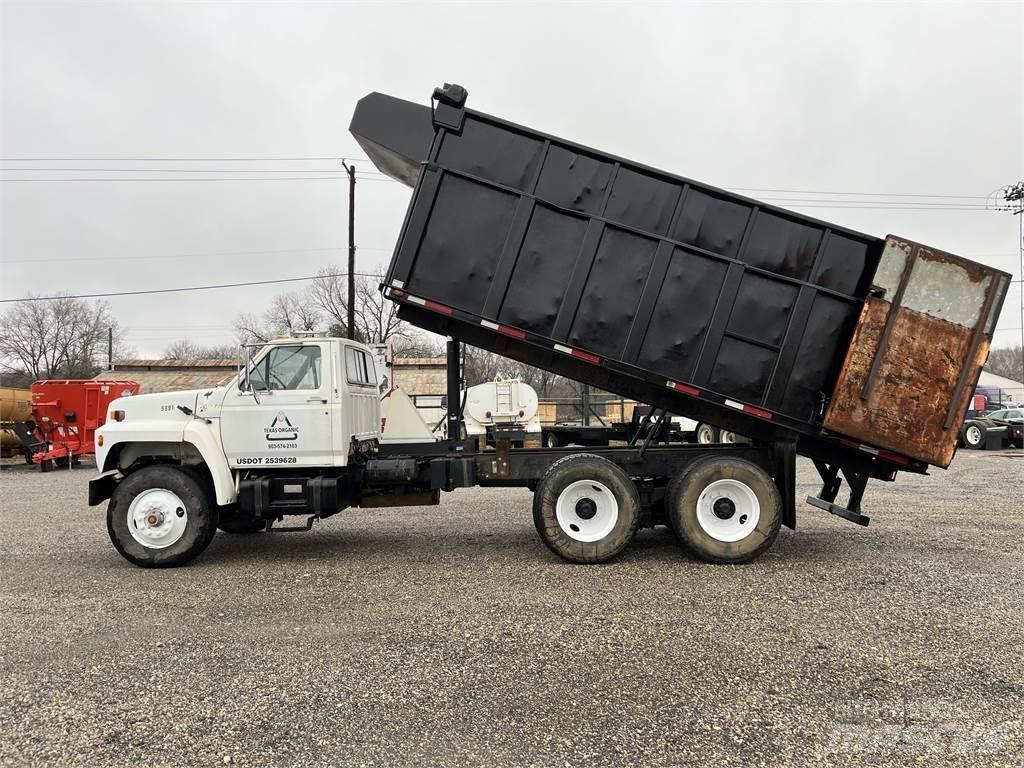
(317, 400)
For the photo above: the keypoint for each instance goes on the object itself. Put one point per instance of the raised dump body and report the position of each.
(676, 293)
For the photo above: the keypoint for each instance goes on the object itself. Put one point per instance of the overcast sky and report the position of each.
(917, 99)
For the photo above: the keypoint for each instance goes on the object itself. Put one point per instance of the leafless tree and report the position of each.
(1007, 361)
(288, 313)
(418, 344)
(184, 349)
(376, 318)
(62, 337)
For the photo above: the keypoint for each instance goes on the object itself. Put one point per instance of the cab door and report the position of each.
(284, 418)
(360, 414)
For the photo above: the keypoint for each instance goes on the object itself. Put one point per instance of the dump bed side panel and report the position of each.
(920, 344)
(629, 264)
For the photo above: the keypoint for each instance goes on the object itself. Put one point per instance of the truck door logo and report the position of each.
(281, 429)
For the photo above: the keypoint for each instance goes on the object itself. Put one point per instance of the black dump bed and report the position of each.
(640, 282)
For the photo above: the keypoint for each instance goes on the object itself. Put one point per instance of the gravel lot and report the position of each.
(451, 636)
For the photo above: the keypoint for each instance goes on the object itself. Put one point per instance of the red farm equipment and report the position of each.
(65, 416)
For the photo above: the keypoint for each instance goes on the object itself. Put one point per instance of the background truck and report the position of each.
(857, 352)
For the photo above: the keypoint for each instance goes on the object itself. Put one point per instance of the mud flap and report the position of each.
(102, 487)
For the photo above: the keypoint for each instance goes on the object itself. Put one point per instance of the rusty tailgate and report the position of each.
(922, 338)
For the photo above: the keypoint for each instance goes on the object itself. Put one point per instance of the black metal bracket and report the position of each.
(449, 111)
(831, 483)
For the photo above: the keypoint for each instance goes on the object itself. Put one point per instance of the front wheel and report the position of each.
(586, 509)
(160, 517)
(725, 510)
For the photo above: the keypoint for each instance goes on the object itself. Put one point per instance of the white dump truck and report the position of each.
(301, 432)
(855, 351)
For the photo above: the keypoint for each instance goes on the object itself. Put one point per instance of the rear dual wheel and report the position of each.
(724, 509)
(586, 509)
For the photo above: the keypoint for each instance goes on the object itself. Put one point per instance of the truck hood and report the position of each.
(161, 405)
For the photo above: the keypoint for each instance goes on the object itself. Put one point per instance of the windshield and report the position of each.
(283, 368)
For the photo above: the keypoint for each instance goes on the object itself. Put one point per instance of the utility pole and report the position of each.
(110, 347)
(1013, 196)
(351, 171)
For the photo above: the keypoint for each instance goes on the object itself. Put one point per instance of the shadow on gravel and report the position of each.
(369, 545)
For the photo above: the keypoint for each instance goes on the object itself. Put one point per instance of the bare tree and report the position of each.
(418, 344)
(288, 313)
(62, 337)
(184, 349)
(1008, 362)
(376, 318)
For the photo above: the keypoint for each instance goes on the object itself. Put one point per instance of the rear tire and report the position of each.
(551, 440)
(586, 509)
(724, 510)
(161, 517)
(974, 436)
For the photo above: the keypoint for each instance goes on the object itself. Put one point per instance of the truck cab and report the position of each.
(301, 403)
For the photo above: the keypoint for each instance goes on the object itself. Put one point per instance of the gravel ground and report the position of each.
(451, 636)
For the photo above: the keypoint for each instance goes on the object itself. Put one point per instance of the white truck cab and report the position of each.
(305, 402)
(299, 404)
(302, 403)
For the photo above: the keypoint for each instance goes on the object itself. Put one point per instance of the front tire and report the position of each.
(724, 510)
(161, 517)
(586, 509)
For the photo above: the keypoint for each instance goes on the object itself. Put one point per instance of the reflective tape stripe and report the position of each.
(890, 456)
(879, 452)
(683, 388)
(437, 307)
(759, 412)
(578, 353)
(586, 356)
(506, 330)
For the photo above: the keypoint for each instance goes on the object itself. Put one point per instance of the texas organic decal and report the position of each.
(281, 429)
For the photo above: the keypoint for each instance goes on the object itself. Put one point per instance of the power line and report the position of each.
(897, 203)
(862, 194)
(170, 159)
(183, 290)
(184, 170)
(279, 251)
(226, 178)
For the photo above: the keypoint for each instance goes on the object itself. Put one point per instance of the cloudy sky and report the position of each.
(901, 101)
